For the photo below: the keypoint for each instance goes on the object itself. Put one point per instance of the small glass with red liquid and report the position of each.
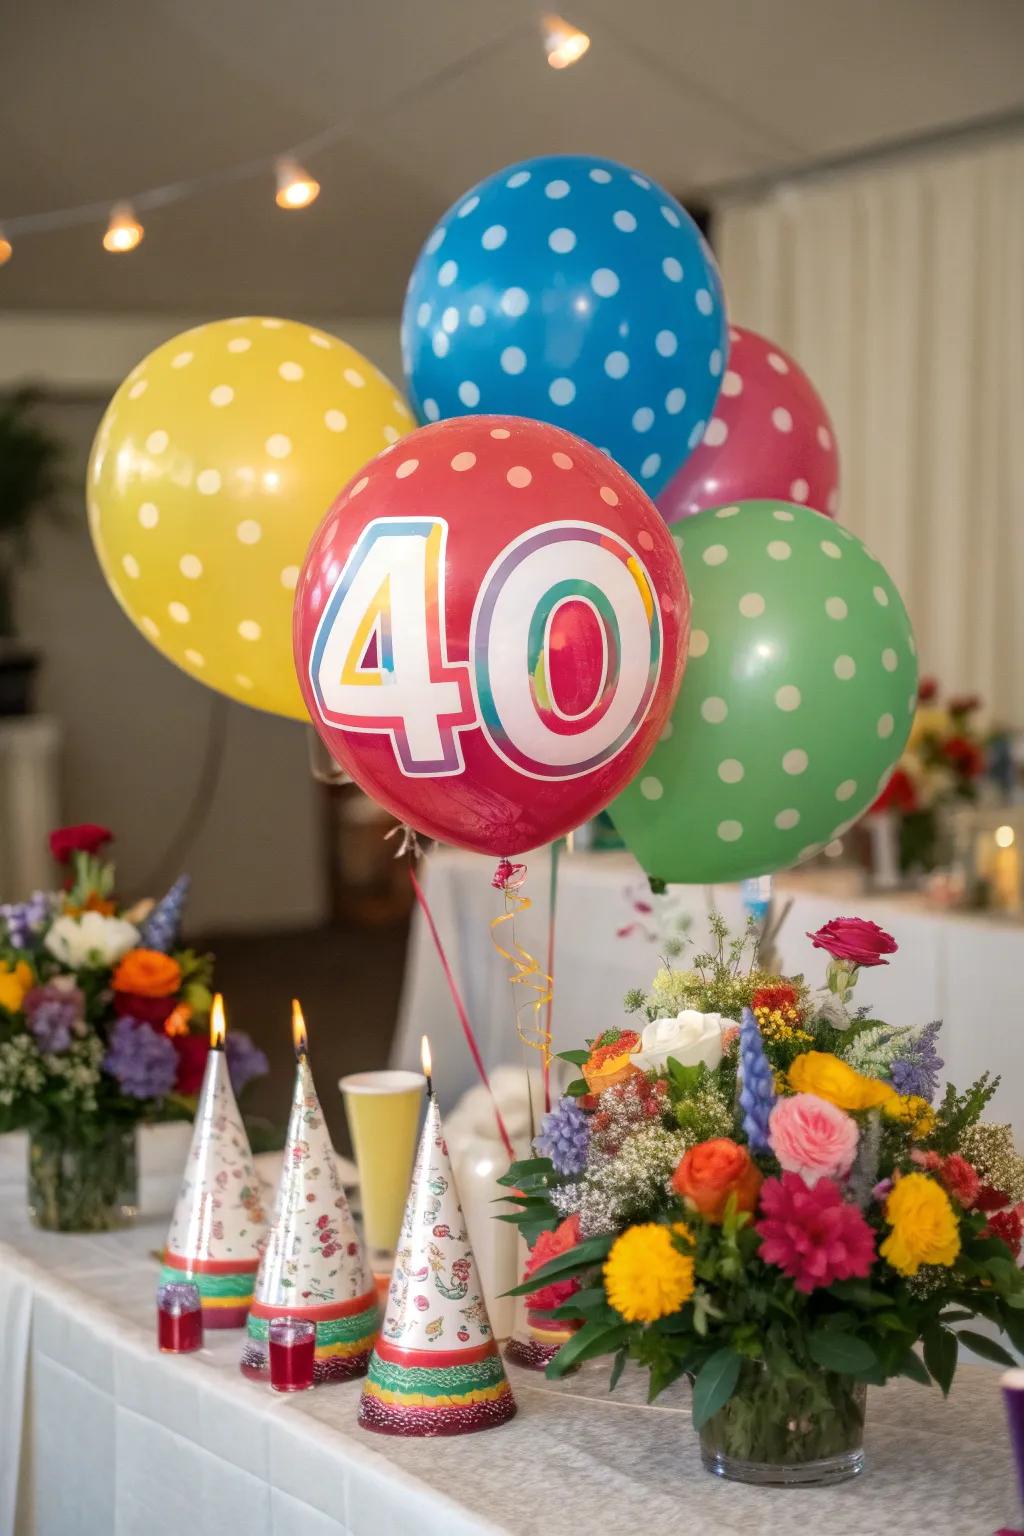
(292, 1349)
(179, 1318)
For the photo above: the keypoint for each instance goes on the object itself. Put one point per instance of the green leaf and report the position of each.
(595, 1338)
(842, 1352)
(592, 1251)
(574, 1058)
(913, 1366)
(577, 1088)
(582, 1302)
(940, 1354)
(519, 1171)
(1013, 1326)
(859, 1293)
(715, 1384)
(620, 1361)
(987, 1348)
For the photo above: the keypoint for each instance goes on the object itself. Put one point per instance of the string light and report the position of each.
(6, 249)
(563, 42)
(295, 186)
(124, 232)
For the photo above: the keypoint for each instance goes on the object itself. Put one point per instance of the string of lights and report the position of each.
(295, 188)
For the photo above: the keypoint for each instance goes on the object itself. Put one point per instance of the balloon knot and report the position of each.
(508, 875)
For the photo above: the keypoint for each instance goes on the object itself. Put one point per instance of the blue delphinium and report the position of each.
(25, 920)
(757, 1084)
(143, 1061)
(564, 1136)
(162, 926)
(916, 1070)
(245, 1060)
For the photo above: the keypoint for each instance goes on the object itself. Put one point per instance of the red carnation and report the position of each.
(960, 1179)
(1008, 1226)
(898, 795)
(812, 1234)
(856, 940)
(192, 1053)
(964, 756)
(991, 1199)
(86, 838)
(547, 1247)
(148, 1010)
(927, 689)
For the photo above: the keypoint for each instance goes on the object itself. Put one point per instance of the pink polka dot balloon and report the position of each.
(490, 631)
(770, 436)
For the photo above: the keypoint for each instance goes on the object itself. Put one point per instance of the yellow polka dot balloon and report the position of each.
(210, 472)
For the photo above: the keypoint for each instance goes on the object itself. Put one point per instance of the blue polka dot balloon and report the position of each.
(576, 291)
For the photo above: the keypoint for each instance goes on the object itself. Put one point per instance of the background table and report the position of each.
(119, 1440)
(965, 969)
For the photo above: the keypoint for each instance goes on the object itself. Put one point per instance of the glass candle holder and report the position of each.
(179, 1318)
(292, 1346)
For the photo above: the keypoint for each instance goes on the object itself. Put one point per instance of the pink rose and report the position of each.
(855, 940)
(813, 1138)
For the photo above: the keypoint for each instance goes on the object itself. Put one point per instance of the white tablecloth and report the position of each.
(967, 970)
(118, 1440)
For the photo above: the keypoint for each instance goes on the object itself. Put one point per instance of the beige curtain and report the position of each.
(900, 289)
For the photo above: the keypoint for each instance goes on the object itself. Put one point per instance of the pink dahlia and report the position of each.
(813, 1138)
(812, 1234)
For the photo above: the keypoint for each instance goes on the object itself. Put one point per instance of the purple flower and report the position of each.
(143, 1061)
(245, 1060)
(917, 1071)
(757, 1091)
(162, 926)
(25, 920)
(55, 1013)
(565, 1137)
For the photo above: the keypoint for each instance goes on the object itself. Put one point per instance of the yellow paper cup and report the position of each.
(383, 1111)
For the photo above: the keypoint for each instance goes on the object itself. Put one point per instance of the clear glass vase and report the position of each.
(82, 1181)
(801, 1427)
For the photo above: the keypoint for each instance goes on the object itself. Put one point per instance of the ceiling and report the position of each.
(106, 98)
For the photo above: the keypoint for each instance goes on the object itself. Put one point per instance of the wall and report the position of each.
(135, 728)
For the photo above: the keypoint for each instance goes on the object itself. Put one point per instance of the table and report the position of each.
(964, 968)
(118, 1440)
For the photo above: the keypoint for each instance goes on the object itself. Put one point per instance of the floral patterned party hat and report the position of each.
(219, 1221)
(313, 1265)
(435, 1368)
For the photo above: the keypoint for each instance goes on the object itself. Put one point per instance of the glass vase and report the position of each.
(798, 1427)
(84, 1180)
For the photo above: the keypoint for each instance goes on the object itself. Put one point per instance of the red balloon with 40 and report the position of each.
(490, 629)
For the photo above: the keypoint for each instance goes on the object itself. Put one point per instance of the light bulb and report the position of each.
(563, 43)
(124, 232)
(6, 249)
(295, 187)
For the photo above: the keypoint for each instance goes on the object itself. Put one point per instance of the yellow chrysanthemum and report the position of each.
(911, 1110)
(15, 981)
(645, 1276)
(821, 1073)
(924, 1225)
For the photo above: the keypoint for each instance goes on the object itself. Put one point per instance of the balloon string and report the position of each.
(556, 849)
(460, 1009)
(527, 973)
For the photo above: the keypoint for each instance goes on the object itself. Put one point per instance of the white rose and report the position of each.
(90, 940)
(690, 1037)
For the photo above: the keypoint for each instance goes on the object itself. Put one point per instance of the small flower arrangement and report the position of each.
(785, 1212)
(942, 765)
(103, 1015)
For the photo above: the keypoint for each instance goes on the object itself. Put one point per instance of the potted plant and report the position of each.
(30, 460)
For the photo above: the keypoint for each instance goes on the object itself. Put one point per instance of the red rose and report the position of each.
(856, 940)
(148, 1010)
(927, 689)
(87, 838)
(547, 1247)
(965, 756)
(192, 1053)
(898, 795)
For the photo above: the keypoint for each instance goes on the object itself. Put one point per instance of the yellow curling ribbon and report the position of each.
(527, 971)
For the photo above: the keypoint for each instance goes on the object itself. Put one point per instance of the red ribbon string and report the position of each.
(460, 1009)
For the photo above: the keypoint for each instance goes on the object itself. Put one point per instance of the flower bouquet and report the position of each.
(941, 766)
(103, 1024)
(761, 1188)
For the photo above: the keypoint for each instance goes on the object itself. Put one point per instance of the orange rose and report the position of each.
(147, 973)
(712, 1171)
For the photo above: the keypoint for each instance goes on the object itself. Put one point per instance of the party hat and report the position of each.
(313, 1265)
(435, 1368)
(219, 1221)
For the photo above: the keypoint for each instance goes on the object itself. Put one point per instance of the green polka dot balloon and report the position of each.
(798, 696)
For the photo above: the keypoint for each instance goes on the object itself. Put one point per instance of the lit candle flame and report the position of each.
(425, 1058)
(296, 188)
(300, 1038)
(124, 232)
(218, 1023)
(563, 43)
